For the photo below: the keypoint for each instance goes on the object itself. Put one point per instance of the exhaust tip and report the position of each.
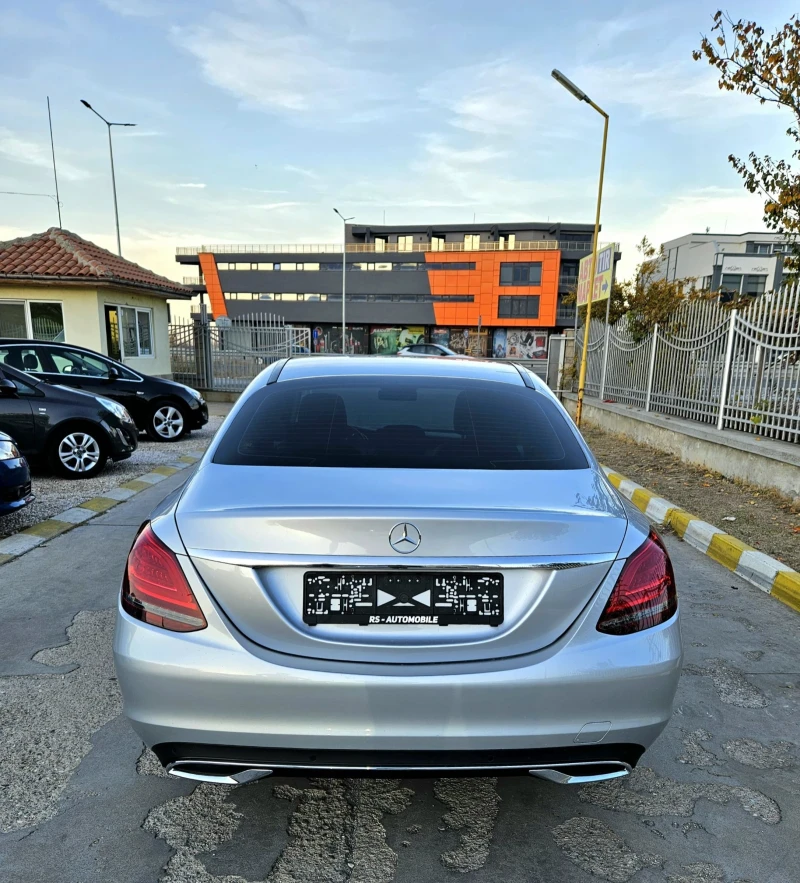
(217, 773)
(582, 773)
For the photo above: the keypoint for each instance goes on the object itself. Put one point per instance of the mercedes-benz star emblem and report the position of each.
(404, 538)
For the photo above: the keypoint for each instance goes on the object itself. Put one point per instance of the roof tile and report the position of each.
(60, 254)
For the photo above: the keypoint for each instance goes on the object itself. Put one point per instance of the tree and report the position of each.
(650, 297)
(768, 68)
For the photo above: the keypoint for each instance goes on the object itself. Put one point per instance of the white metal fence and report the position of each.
(734, 369)
(227, 355)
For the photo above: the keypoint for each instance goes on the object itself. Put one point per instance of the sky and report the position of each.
(254, 118)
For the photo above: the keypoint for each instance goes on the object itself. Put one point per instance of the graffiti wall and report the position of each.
(386, 341)
(519, 343)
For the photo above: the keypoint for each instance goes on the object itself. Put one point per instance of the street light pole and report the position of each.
(113, 176)
(344, 277)
(582, 96)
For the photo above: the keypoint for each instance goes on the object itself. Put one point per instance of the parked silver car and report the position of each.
(409, 565)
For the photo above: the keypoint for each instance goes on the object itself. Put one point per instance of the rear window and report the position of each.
(400, 423)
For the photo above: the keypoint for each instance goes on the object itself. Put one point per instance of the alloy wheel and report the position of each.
(79, 452)
(168, 422)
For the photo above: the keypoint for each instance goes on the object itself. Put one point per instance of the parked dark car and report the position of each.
(15, 477)
(162, 408)
(74, 432)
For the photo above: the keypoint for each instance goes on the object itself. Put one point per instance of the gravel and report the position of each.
(54, 495)
(762, 518)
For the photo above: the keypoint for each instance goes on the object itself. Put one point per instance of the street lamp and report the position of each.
(344, 277)
(582, 96)
(111, 154)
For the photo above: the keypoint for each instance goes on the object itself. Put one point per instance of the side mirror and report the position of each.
(8, 389)
(113, 373)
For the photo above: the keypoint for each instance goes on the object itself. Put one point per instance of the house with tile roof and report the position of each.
(58, 286)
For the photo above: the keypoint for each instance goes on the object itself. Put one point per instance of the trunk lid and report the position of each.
(253, 532)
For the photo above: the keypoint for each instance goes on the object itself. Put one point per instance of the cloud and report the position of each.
(496, 96)
(308, 59)
(191, 185)
(306, 173)
(31, 153)
(135, 8)
(139, 133)
(666, 90)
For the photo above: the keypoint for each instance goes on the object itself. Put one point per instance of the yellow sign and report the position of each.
(603, 276)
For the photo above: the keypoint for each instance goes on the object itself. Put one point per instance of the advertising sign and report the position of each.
(603, 276)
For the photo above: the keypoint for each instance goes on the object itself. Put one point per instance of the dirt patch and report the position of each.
(763, 518)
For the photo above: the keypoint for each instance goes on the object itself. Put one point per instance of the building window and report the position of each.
(380, 243)
(778, 248)
(137, 332)
(448, 265)
(41, 320)
(762, 248)
(437, 243)
(472, 241)
(754, 285)
(405, 243)
(731, 283)
(264, 266)
(521, 274)
(522, 306)
(313, 267)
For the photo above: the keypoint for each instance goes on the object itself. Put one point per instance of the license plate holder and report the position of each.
(381, 598)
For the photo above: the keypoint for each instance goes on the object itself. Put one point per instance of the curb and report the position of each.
(31, 537)
(769, 574)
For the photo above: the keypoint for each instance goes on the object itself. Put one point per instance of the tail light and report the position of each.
(645, 594)
(155, 589)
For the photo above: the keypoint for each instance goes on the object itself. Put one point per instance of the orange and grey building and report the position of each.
(489, 289)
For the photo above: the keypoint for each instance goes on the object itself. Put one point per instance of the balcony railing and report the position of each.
(370, 248)
(193, 280)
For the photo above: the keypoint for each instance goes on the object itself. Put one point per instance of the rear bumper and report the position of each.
(214, 692)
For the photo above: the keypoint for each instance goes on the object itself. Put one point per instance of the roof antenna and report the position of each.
(53, 151)
(384, 217)
(473, 217)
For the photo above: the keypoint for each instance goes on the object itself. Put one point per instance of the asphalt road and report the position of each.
(716, 800)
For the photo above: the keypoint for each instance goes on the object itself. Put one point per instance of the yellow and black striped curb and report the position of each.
(769, 574)
(31, 537)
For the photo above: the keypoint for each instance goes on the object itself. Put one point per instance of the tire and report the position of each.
(77, 452)
(167, 422)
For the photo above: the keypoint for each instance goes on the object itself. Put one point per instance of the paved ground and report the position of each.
(717, 800)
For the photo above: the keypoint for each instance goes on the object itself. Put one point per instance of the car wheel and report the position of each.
(77, 453)
(167, 423)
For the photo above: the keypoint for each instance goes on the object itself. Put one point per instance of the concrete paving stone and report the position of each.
(77, 515)
(136, 484)
(119, 493)
(49, 528)
(151, 478)
(19, 543)
(165, 470)
(99, 504)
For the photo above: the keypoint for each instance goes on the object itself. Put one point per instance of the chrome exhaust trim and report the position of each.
(217, 772)
(582, 773)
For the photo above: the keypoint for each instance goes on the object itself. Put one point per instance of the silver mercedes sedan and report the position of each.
(411, 566)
